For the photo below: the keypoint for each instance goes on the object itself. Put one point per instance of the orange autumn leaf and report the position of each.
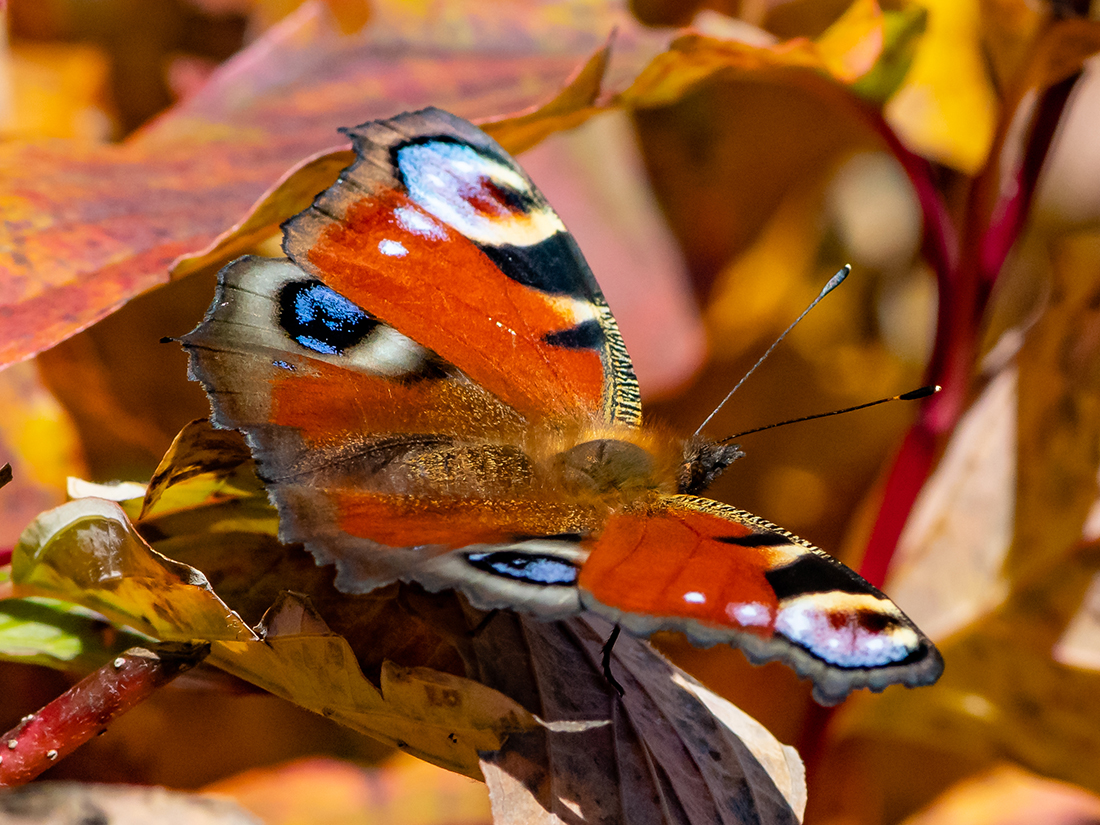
(89, 227)
(296, 190)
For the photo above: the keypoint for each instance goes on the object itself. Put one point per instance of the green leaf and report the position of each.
(59, 635)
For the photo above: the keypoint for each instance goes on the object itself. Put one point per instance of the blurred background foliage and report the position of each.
(710, 220)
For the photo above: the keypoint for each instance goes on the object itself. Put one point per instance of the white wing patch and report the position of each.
(476, 195)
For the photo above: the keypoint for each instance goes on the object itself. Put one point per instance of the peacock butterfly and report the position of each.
(435, 390)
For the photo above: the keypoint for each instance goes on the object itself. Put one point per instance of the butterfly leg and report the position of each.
(606, 660)
(484, 623)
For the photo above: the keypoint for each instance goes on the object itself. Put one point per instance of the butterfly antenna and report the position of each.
(833, 283)
(912, 395)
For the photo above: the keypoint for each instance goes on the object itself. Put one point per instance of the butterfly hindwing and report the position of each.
(719, 574)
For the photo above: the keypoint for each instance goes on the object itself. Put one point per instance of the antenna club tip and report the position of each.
(923, 392)
(835, 281)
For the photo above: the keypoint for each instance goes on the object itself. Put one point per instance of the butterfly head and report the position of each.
(703, 462)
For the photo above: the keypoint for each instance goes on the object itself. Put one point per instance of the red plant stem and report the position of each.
(1000, 201)
(941, 241)
(5, 474)
(1010, 213)
(42, 739)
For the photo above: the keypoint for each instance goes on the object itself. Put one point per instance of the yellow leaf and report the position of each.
(435, 716)
(850, 47)
(87, 552)
(947, 107)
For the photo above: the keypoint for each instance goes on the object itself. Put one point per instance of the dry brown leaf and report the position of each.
(659, 754)
(1002, 556)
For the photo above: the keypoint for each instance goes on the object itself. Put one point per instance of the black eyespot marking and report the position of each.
(573, 537)
(756, 540)
(533, 568)
(321, 319)
(814, 574)
(588, 335)
(552, 265)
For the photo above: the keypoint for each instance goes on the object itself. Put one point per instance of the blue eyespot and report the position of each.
(533, 568)
(321, 319)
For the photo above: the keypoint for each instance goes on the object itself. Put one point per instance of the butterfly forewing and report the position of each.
(440, 234)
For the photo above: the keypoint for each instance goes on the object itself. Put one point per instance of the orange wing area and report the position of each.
(441, 291)
(354, 403)
(410, 521)
(671, 564)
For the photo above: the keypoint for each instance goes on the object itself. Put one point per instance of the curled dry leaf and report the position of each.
(668, 751)
(87, 552)
(846, 51)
